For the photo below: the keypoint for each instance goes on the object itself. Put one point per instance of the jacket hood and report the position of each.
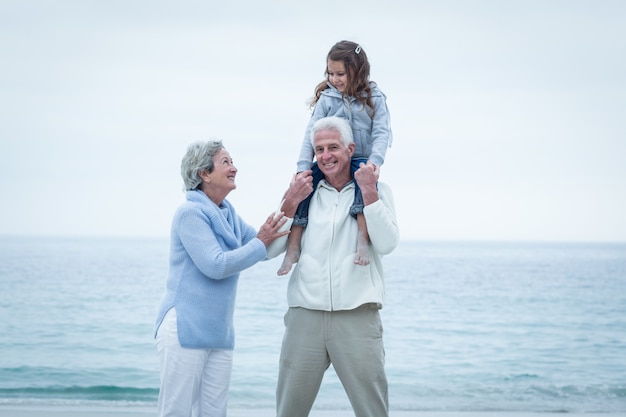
(333, 92)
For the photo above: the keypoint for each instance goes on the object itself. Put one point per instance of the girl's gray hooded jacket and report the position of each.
(372, 136)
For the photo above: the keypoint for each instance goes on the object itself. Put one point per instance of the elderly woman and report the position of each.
(210, 246)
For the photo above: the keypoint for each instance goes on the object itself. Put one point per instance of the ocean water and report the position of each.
(467, 326)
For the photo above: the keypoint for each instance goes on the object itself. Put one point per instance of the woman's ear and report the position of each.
(205, 176)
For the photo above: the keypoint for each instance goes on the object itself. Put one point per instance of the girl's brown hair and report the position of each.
(358, 72)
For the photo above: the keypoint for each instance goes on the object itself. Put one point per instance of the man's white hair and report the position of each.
(335, 123)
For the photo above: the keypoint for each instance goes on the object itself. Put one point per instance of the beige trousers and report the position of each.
(349, 340)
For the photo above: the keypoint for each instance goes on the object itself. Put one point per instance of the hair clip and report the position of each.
(358, 49)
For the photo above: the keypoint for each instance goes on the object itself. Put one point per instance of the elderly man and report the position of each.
(334, 304)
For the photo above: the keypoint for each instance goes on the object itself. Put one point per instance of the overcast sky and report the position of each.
(509, 117)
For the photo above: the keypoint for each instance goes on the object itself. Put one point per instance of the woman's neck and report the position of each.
(213, 196)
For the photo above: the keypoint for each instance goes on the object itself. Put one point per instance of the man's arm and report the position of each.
(300, 187)
(379, 210)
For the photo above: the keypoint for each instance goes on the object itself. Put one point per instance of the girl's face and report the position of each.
(337, 75)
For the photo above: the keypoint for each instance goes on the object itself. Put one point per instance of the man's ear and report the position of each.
(352, 147)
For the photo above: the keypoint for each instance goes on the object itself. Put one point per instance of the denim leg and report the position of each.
(357, 206)
(301, 218)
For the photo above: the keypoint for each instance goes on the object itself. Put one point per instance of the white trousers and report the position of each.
(194, 382)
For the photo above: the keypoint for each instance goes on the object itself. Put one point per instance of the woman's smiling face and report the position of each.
(221, 180)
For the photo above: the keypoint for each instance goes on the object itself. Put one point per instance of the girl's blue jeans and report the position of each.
(301, 218)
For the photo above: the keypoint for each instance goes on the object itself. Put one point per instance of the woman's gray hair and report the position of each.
(198, 158)
(333, 123)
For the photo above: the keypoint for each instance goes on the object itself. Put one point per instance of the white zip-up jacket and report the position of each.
(326, 277)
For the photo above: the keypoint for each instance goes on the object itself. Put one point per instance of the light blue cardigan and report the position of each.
(210, 245)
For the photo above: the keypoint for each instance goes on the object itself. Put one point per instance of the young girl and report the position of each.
(347, 92)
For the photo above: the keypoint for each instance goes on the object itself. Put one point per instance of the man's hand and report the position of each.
(367, 177)
(300, 187)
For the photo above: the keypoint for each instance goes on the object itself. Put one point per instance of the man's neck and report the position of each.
(339, 183)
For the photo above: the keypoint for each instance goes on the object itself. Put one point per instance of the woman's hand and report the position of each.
(269, 231)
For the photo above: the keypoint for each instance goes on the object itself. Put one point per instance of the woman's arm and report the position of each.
(203, 247)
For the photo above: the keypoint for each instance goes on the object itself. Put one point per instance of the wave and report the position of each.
(105, 393)
(473, 398)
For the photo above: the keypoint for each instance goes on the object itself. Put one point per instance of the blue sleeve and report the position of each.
(206, 251)
(305, 160)
(381, 131)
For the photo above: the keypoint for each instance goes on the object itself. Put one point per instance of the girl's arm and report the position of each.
(305, 160)
(381, 130)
